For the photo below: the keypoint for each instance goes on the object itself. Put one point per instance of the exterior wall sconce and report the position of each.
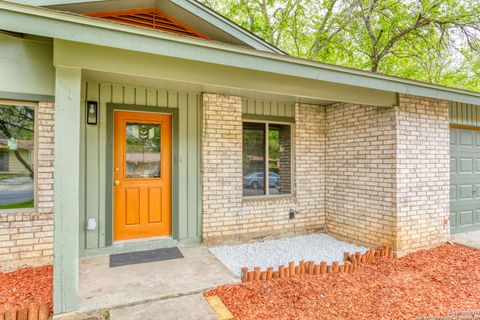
(92, 112)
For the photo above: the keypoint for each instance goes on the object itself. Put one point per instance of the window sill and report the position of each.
(267, 198)
(17, 211)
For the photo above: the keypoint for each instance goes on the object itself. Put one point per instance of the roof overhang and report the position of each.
(198, 15)
(209, 77)
(59, 25)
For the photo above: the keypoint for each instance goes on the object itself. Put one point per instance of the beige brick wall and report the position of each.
(360, 162)
(26, 237)
(423, 177)
(371, 175)
(388, 173)
(227, 215)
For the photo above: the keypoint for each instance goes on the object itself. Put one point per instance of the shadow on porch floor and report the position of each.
(102, 287)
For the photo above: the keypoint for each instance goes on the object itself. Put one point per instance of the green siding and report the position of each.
(464, 114)
(94, 157)
(268, 108)
(93, 184)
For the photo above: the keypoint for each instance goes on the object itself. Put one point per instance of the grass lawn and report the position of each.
(440, 282)
(18, 205)
(8, 176)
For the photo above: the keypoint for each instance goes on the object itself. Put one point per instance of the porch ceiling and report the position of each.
(147, 82)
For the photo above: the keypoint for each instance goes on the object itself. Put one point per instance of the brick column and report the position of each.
(360, 184)
(26, 236)
(388, 173)
(423, 176)
(309, 150)
(221, 164)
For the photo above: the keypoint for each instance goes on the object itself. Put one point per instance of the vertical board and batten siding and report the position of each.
(268, 108)
(464, 114)
(94, 152)
(94, 155)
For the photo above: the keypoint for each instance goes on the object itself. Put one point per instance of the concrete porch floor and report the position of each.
(105, 288)
(469, 239)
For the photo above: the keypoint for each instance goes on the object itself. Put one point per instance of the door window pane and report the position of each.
(17, 136)
(143, 150)
(279, 164)
(253, 159)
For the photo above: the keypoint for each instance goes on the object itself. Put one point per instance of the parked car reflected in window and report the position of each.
(256, 181)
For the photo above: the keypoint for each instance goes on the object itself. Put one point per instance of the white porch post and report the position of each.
(67, 177)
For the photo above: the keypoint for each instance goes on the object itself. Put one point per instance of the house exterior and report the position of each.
(9, 163)
(159, 121)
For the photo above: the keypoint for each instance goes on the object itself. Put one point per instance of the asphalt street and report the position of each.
(8, 197)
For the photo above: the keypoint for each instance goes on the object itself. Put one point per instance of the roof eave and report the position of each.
(48, 23)
(194, 7)
(227, 25)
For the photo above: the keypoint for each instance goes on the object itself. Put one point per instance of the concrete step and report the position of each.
(190, 307)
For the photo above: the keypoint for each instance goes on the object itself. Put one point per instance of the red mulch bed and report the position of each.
(21, 287)
(431, 282)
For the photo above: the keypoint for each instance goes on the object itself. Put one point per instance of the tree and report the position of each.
(267, 18)
(411, 28)
(437, 41)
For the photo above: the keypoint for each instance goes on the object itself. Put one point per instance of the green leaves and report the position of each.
(437, 41)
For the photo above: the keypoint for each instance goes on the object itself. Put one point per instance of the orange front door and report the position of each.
(142, 175)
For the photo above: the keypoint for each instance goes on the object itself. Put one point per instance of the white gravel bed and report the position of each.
(272, 253)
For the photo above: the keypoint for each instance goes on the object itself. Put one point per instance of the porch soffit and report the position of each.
(181, 86)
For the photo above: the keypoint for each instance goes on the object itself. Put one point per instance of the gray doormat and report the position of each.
(124, 259)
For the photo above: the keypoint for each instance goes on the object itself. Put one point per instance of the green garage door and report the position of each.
(464, 180)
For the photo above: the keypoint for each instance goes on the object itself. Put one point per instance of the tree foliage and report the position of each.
(436, 41)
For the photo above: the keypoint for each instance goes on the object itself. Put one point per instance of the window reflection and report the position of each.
(279, 168)
(143, 150)
(17, 136)
(253, 159)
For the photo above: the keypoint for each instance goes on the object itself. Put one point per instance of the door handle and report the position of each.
(117, 182)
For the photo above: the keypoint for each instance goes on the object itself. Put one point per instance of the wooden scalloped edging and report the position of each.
(350, 264)
(33, 312)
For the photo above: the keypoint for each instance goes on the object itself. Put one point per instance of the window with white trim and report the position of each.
(266, 153)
